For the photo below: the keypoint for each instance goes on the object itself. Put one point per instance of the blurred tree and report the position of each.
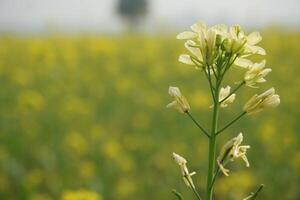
(133, 11)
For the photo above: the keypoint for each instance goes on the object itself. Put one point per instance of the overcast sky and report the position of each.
(100, 15)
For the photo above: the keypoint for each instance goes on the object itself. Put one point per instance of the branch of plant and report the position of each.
(212, 88)
(196, 61)
(218, 169)
(197, 124)
(233, 91)
(253, 195)
(177, 194)
(215, 177)
(232, 122)
(193, 189)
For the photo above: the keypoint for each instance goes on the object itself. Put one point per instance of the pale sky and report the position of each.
(100, 15)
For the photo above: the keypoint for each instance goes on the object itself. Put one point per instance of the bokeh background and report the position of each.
(83, 94)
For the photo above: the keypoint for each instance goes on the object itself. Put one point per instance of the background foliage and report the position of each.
(87, 113)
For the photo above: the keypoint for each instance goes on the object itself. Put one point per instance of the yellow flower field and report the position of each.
(84, 117)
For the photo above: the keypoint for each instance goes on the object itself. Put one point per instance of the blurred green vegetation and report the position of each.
(87, 113)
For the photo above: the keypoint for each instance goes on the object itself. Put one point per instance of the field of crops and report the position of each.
(85, 115)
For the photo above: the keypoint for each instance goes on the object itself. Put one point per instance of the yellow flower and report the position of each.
(256, 74)
(187, 177)
(180, 103)
(265, 100)
(232, 150)
(81, 195)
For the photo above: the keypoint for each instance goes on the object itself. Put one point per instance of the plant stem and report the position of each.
(229, 124)
(177, 194)
(197, 124)
(193, 189)
(253, 195)
(210, 85)
(212, 147)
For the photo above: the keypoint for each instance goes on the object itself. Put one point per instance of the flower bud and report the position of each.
(180, 103)
(265, 100)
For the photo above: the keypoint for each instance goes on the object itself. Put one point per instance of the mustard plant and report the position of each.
(213, 51)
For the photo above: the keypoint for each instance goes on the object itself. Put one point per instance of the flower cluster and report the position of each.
(208, 45)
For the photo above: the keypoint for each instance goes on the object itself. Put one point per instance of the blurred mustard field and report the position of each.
(84, 118)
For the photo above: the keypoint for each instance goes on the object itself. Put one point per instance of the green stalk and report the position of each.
(212, 147)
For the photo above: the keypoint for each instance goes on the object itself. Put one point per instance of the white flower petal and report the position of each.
(186, 59)
(254, 38)
(243, 62)
(198, 27)
(194, 50)
(186, 35)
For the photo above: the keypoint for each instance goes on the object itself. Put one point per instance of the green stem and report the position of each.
(253, 195)
(215, 177)
(218, 171)
(193, 189)
(229, 124)
(177, 194)
(197, 124)
(233, 91)
(212, 148)
(210, 85)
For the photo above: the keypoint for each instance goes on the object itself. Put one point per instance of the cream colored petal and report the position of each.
(194, 50)
(179, 159)
(220, 28)
(186, 59)
(254, 38)
(224, 170)
(246, 160)
(186, 35)
(265, 72)
(267, 93)
(243, 62)
(255, 50)
(172, 104)
(272, 101)
(198, 27)
(261, 80)
(174, 92)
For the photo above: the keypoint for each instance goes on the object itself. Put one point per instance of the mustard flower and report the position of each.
(187, 177)
(204, 39)
(232, 150)
(256, 74)
(180, 103)
(258, 102)
(224, 92)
